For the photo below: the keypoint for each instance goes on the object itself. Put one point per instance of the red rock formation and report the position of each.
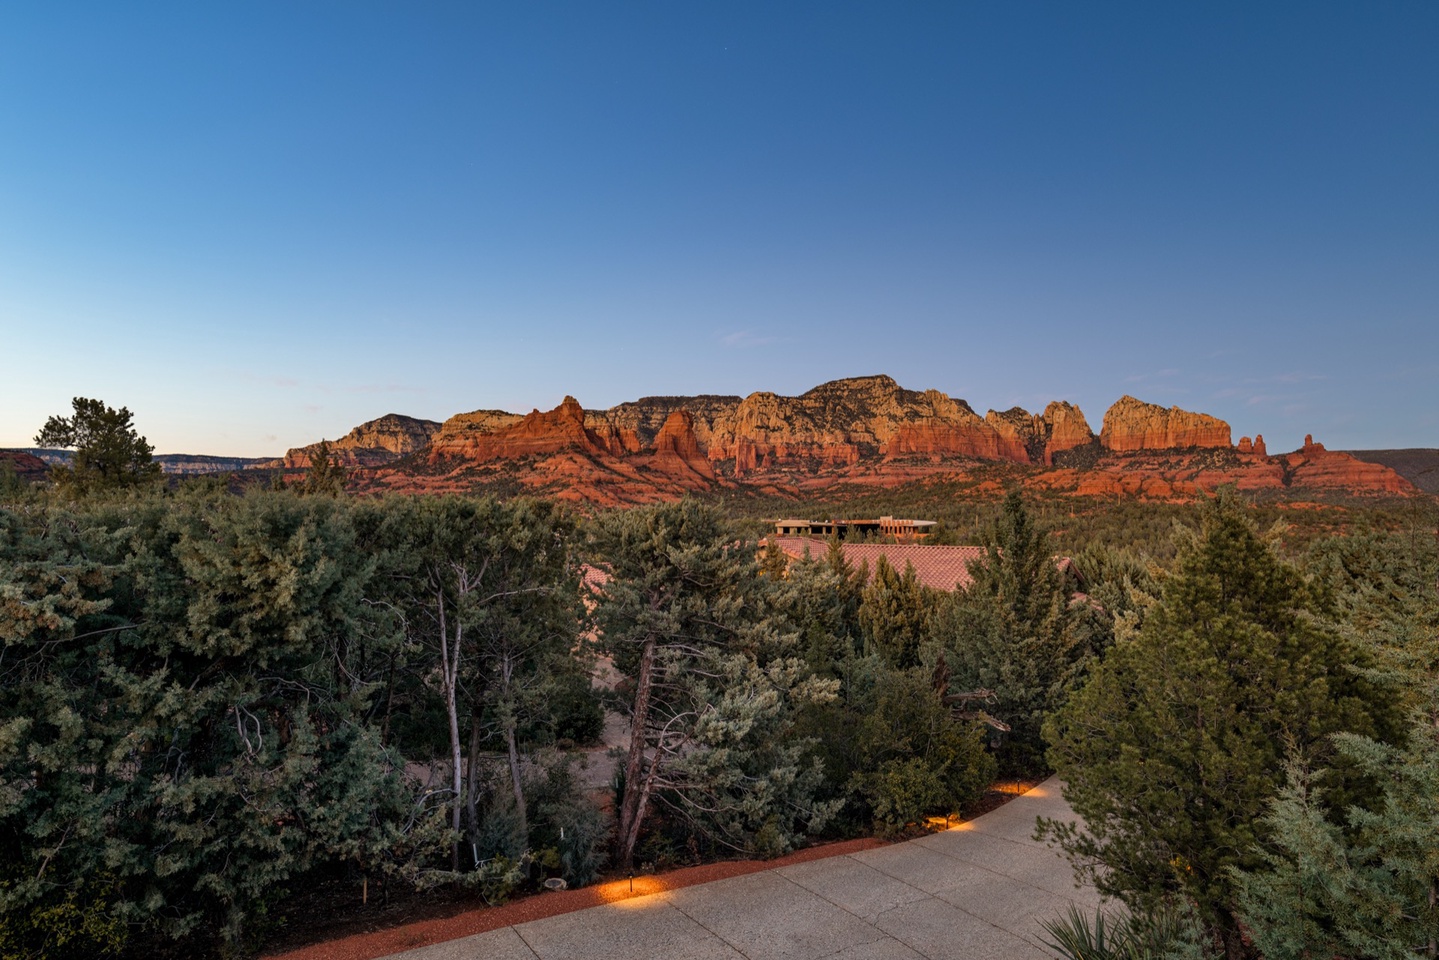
(1314, 467)
(980, 440)
(27, 466)
(676, 446)
(1132, 425)
(1066, 429)
(1255, 447)
(562, 428)
(860, 433)
(371, 444)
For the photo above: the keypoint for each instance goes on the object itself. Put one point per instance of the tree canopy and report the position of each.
(109, 453)
(1175, 744)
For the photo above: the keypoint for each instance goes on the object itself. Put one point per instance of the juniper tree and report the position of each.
(894, 612)
(710, 683)
(1363, 881)
(188, 686)
(1175, 743)
(1011, 632)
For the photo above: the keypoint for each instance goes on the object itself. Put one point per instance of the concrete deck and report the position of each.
(976, 892)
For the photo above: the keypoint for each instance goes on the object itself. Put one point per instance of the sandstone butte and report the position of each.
(866, 431)
(371, 444)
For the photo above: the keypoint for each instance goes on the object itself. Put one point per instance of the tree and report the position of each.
(1175, 743)
(325, 477)
(710, 683)
(183, 704)
(912, 757)
(487, 588)
(109, 453)
(1012, 632)
(894, 612)
(1364, 883)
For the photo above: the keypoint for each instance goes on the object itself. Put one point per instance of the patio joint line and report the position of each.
(724, 940)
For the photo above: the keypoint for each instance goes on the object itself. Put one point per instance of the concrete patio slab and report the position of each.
(853, 885)
(504, 944)
(645, 928)
(942, 931)
(768, 917)
(977, 892)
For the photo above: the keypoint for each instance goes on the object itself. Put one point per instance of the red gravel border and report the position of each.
(380, 943)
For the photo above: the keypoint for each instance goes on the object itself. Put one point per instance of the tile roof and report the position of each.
(941, 567)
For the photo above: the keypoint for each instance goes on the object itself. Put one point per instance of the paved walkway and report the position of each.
(976, 892)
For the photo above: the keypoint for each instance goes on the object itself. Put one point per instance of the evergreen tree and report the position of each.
(184, 692)
(109, 453)
(710, 683)
(486, 587)
(1012, 632)
(894, 613)
(1367, 883)
(1175, 744)
(325, 477)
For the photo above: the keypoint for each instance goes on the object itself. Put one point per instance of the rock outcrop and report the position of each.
(1255, 446)
(553, 431)
(27, 466)
(1313, 467)
(677, 449)
(371, 444)
(1132, 425)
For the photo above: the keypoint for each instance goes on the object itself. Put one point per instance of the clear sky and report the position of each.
(257, 224)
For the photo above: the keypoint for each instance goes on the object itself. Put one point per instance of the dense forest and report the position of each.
(212, 705)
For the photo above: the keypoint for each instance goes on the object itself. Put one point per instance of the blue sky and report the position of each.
(260, 224)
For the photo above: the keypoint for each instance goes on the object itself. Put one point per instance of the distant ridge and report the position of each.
(178, 464)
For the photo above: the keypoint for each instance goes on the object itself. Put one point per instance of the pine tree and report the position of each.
(325, 477)
(109, 453)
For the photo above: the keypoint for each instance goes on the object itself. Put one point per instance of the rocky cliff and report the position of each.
(865, 431)
(1131, 425)
(371, 444)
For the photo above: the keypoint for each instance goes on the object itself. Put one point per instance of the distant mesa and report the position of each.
(1418, 465)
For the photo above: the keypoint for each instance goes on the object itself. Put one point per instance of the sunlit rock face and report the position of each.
(1132, 425)
(370, 444)
(858, 432)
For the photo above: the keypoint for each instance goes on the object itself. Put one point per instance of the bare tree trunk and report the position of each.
(515, 779)
(636, 795)
(472, 776)
(450, 662)
(507, 674)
